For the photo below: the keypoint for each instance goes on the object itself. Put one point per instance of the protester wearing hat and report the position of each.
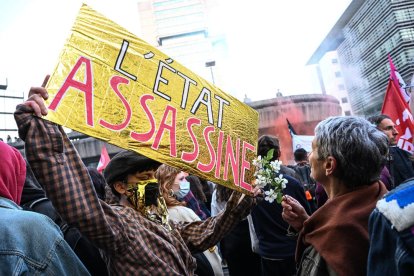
(133, 233)
(131, 177)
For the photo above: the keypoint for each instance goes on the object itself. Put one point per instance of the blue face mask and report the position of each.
(184, 189)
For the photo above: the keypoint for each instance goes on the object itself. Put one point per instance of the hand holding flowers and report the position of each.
(267, 173)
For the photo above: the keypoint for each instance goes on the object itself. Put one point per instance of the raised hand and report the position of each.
(37, 95)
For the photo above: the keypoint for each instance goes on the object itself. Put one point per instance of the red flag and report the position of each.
(104, 160)
(398, 81)
(399, 111)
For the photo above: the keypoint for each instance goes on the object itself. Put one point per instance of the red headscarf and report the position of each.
(12, 173)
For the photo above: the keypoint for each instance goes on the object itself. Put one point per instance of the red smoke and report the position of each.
(279, 128)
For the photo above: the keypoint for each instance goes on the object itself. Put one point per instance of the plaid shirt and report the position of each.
(133, 244)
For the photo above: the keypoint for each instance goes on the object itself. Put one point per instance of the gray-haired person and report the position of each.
(347, 157)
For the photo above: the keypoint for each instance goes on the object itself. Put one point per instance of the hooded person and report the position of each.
(12, 173)
(31, 243)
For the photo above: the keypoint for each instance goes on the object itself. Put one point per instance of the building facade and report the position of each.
(304, 112)
(9, 99)
(89, 148)
(332, 82)
(363, 36)
(183, 30)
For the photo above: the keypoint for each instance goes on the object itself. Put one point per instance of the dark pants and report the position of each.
(236, 249)
(286, 267)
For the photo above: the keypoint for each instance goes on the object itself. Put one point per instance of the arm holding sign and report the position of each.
(201, 235)
(58, 166)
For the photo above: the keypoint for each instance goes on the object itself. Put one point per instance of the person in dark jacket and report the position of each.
(399, 163)
(276, 242)
(391, 232)
(267, 142)
(99, 183)
(302, 168)
(236, 246)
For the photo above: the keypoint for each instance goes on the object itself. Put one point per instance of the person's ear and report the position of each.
(120, 187)
(330, 165)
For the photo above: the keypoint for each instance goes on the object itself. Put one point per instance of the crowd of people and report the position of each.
(344, 209)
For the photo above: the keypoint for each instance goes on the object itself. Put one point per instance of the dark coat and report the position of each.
(400, 166)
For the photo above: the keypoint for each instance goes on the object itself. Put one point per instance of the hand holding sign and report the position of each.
(36, 98)
(113, 86)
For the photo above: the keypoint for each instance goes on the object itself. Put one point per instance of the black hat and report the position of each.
(127, 162)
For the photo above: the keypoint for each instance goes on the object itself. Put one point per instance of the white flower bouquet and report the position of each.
(267, 173)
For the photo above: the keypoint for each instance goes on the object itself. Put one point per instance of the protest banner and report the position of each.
(111, 85)
(397, 105)
(299, 141)
(103, 160)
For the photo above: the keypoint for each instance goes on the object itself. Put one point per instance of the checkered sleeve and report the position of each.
(201, 235)
(60, 170)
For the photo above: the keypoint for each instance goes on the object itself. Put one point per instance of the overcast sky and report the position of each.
(269, 41)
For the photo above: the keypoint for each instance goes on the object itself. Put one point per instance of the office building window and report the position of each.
(334, 60)
(338, 74)
(341, 87)
(344, 100)
(407, 34)
(347, 113)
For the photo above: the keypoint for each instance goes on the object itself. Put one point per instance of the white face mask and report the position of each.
(184, 189)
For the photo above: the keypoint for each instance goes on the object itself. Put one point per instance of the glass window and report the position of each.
(344, 100)
(407, 34)
(338, 74)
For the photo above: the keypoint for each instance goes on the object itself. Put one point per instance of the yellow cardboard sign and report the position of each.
(111, 85)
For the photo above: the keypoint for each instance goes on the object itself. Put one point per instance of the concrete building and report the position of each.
(366, 32)
(332, 80)
(304, 112)
(88, 148)
(183, 30)
(8, 101)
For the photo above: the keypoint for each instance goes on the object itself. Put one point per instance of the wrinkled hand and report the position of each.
(293, 212)
(37, 95)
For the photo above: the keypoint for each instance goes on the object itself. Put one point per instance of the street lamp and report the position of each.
(211, 64)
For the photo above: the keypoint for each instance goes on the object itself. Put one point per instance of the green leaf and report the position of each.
(270, 154)
(279, 198)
